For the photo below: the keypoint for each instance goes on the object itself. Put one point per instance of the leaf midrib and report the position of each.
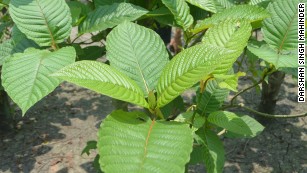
(45, 19)
(146, 144)
(286, 34)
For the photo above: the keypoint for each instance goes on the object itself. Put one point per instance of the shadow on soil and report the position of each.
(53, 133)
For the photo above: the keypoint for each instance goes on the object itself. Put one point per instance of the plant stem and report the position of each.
(241, 105)
(265, 73)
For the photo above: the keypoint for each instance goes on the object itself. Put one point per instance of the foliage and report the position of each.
(39, 53)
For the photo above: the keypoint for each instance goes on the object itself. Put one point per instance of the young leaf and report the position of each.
(247, 12)
(181, 11)
(109, 16)
(131, 142)
(211, 151)
(47, 22)
(186, 68)
(137, 52)
(26, 75)
(103, 79)
(245, 125)
(280, 30)
(212, 98)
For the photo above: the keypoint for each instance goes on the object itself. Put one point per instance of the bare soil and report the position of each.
(50, 138)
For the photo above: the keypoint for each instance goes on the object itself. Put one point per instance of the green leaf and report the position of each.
(245, 125)
(107, 2)
(25, 76)
(47, 22)
(279, 60)
(109, 16)
(92, 53)
(181, 11)
(103, 79)
(212, 98)
(186, 117)
(261, 3)
(90, 145)
(131, 142)
(229, 81)
(207, 5)
(6, 49)
(186, 68)
(75, 14)
(247, 12)
(211, 151)
(231, 34)
(280, 30)
(173, 107)
(21, 42)
(137, 52)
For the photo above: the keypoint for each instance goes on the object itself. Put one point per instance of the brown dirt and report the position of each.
(51, 136)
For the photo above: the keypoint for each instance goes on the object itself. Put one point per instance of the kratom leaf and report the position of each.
(181, 11)
(186, 68)
(109, 16)
(280, 30)
(212, 98)
(92, 53)
(131, 142)
(207, 5)
(231, 34)
(247, 12)
(245, 125)
(107, 2)
(25, 76)
(137, 52)
(198, 13)
(6, 49)
(211, 150)
(270, 55)
(103, 79)
(229, 81)
(21, 42)
(261, 3)
(47, 22)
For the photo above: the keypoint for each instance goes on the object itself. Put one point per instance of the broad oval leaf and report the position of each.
(210, 151)
(280, 30)
(109, 16)
(186, 68)
(25, 76)
(181, 11)
(137, 52)
(131, 142)
(232, 34)
(230, 121)
(103, 79)
(279, 60)
(47, 22)
(249, 13)
(212, 98)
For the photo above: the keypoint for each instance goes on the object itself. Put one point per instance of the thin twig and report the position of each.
(241, 105)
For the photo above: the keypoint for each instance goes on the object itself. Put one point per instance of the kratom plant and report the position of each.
(40, 54)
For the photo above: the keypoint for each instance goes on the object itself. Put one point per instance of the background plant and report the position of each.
(40, 54)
